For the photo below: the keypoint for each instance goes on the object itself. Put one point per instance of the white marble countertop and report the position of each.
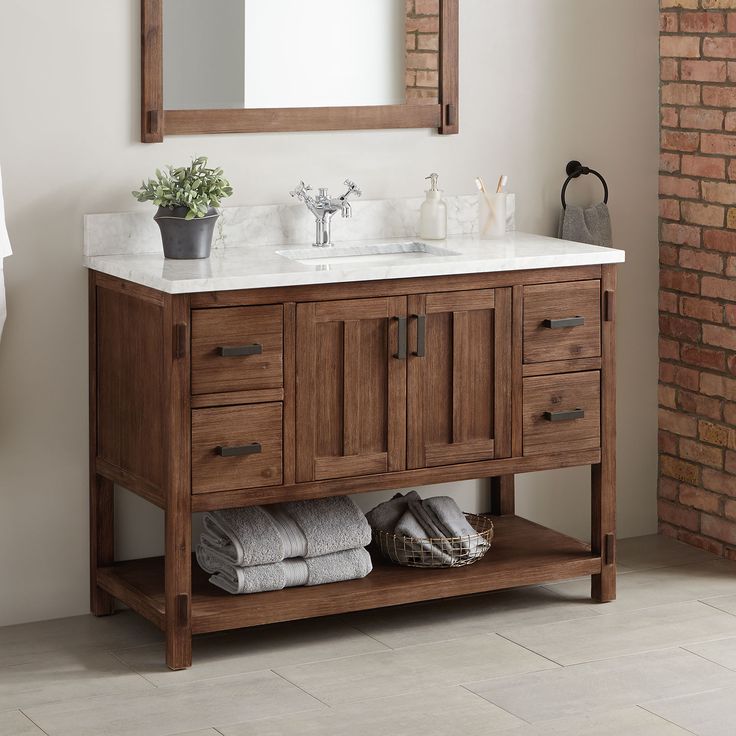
(256, 267)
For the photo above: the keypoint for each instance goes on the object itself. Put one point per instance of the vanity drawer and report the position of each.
(237, 349)
(562, 321)
(562, 413)
(236, 447)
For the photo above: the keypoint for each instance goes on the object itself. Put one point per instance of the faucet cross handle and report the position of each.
(301, 191)
(352, 189)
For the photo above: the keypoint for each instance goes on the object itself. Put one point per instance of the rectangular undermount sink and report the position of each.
(374, 253)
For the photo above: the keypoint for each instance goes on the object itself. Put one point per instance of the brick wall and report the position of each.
(422, 51)
(697, 390)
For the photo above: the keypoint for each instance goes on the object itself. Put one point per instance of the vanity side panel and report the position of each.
(130, 389)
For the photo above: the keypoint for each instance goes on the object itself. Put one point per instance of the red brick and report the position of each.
(679, 375)
(700, 119)
(682, 93)
(731, 364)
(708, 168)
(669, 70)
(697, 23)
(720, 240)
(721, 529)
(679, 328)
(680, 234)
(724, 337)
(682, 46)
(696, 404)
(668, 443)
(702, 309)
(680, 424)
(712, 96)
(677, 515)
(730, 122)
(703, 214)
(670, 118)
(669, 209)
(711, 143)
(729, 413)
(669, 349)
(699, 499)
(683, 281)
(701, 454)
(703, 357)
(667, 396)
(697, 540)
(731, 315)
(715, 434)
(712, 385)
(679, 187)
(703, 71)
(670, 163)
(730, 465)
(698, 260)
(668, 302)
(721, 48)
(679, 141)
(719, 192)
(729, 510)
(668, 255)
(731, 266)
(720, 482)
(719, 288)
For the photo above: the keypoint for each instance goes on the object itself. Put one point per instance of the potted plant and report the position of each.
(186, 198)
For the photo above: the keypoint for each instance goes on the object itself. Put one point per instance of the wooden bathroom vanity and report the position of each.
(210, 399)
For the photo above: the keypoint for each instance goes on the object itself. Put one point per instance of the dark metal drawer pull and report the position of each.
(253, 449)
(564, 416)
(402, 346)
(235, 352)
(421, 335)
(558, 324)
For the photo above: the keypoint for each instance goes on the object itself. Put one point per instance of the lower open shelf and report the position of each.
(523, 553)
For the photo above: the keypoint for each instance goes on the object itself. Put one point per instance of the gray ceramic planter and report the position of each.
(186, 239)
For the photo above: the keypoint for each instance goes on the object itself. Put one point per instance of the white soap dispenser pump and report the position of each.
(433, 215)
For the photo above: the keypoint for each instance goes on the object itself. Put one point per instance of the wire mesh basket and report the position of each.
(441, 552)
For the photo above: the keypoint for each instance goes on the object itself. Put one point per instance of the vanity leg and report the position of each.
(603, 475)
(502, 495)
(178, 590)
(101, 541)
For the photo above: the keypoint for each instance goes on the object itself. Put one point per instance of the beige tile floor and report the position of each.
(661, 661)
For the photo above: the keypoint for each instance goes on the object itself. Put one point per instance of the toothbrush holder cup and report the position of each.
(492, 216)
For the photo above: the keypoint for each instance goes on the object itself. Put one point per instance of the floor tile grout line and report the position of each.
(697, 654)
(495, 705)
(704, 601)
(133, 670)
(298, 687)
(516, 643)
(25, 715)
(666, 720)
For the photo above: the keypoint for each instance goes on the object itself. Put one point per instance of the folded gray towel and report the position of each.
(263, 535)
(446, 516)
(330, 524)
(420, 548)
(386, 515)
(336, 567)
(590, 225)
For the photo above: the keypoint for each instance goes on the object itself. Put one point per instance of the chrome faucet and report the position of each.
(323, 207)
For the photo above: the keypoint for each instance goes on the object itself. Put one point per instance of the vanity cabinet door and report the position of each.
(351, 388)
(459, 377)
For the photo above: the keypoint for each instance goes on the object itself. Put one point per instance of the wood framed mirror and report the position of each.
(250, 66)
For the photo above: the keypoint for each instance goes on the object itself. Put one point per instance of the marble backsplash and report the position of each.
(282, 224)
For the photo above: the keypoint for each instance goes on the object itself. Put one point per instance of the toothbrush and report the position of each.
(502, 182)
(482, 189)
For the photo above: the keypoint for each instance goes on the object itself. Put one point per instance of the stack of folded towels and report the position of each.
(431, 524)
(263, 548)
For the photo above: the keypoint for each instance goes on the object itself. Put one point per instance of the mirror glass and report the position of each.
(299, 53)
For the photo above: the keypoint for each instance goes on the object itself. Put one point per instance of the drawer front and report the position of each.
(237, 349)
(236, 447)
(562, 413)
(562, 321)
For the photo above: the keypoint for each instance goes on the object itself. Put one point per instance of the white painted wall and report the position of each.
(538, 87)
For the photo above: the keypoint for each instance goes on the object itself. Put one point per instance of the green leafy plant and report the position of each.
(195, 187)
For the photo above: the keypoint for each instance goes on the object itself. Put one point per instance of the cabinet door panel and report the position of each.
(351, 389)
(458, 395)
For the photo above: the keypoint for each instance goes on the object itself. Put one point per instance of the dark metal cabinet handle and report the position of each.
(402, 347)
(558, 324)
(252, 449)
(421, 319)
(234, 352)
(564, 416)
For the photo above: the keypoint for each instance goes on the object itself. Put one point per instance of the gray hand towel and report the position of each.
(386, 515)
(330, 524)
(336, 567)
(421, 549)
(590, 225)
(450, 520)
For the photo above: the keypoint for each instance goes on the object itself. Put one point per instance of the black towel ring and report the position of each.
(575, 170)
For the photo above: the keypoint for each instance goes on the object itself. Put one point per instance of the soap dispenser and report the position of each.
(433, 215)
